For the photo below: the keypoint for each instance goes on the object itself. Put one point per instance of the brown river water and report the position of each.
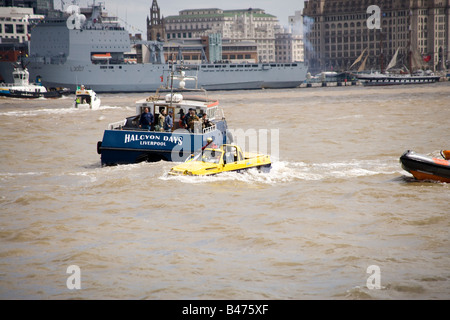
(335, 203)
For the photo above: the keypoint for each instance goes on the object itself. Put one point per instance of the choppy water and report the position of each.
(336, 202)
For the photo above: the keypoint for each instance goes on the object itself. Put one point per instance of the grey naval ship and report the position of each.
(70, 51)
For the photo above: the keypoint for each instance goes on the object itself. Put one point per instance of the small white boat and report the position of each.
(86, 99)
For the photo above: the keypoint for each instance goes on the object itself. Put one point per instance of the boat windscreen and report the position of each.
(212, 156)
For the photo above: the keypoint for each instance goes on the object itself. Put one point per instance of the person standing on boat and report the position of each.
(192, 119)
(186, 119)
(161, 120)
(168, 122)
(146, 120)
(205, 121)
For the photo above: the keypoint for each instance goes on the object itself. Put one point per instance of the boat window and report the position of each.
(199, 113)
(240, 156)
(159, 109)
(229, 158)
(179, 113)
(210, 155)
(231, 154)
(211, 113)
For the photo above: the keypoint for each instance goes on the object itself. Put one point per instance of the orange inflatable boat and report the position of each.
(427, 168)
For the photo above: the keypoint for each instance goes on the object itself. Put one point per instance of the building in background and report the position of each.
(155, 24)
(234, 26)
(17, 18)
(43, 7)
(16, 23)
(336, 33)
(289, 42)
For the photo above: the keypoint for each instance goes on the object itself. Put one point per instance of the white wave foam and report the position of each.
(284, 171)
(37, 112)
(14, 174)
(8, 176)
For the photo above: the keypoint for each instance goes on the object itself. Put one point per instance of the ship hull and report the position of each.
(147, 77)
(399, 80)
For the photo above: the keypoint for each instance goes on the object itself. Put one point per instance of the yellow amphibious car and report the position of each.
(227, 157)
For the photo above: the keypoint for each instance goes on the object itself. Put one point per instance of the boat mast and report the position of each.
(409, 51)
(381, 53)
(410, 44)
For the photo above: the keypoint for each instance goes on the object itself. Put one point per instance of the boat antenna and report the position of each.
(381, 53)
(171, 84)
(409, 43)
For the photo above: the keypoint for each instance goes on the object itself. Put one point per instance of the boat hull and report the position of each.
(33, 95)
(425, 168)
(391, 81)
(134, 146)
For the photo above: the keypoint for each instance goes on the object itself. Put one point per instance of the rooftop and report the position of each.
(215, 12)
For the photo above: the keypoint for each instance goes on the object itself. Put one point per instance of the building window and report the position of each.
(9, 28)
(20, 28)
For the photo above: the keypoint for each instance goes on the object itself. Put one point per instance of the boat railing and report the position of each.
(209, 129)
(117, 125)
(24, 87)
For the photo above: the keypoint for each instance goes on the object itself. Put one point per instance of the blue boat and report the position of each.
(126, 141)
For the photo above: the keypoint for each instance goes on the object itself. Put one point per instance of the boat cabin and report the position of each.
(86, 98)
(21, 77)
(179, 105)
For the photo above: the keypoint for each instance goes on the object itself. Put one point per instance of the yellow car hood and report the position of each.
(193, 167)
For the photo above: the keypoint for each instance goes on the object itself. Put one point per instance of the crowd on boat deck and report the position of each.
(164, 122)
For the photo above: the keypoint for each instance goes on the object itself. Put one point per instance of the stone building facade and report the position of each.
(338, 31)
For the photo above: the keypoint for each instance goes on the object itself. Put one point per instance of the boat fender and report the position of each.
(99, 146)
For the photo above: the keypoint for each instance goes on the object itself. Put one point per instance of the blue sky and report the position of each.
(135, 12)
